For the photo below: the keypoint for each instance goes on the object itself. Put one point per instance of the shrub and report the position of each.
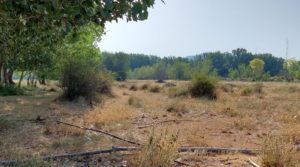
(247, 91)
(204, 86)
(276, 152)
(154, 89)
(84, 79)
(134, 101)
(258, 87)
(160, 151)
(178, 108)
(11, 90)
(133, 88)
(144, 87)
(177, 92)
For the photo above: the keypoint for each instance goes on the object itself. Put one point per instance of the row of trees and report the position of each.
(239, 64)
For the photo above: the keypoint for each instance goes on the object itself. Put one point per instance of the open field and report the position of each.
(239, 118)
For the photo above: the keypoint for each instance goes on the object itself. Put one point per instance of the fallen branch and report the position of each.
(218, 150)
(181, 163)
(165, 121)
(251, 162)
(72, 155)
(99, 131)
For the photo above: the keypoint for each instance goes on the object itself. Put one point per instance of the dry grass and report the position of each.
(134, 101)
(60, 130)
(160, 150)
(155, 89)
(108, 115)
(245, 123)
(177, 107)
(276, 152)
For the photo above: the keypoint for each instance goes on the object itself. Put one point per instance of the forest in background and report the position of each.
(237, 65)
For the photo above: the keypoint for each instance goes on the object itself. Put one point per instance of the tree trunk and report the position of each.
(21, 78)
(42, 80)
(9, 76)
(28, 78)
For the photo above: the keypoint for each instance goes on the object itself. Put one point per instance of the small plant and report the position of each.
(258, 87)
(247, 91)
(11, 90)
(155, 89)
(6, 124)
(178, 92)
(144, 87)
(178, 108)
(276, 152)
(134, 101)
(160, 151)
(204, 86)
(133, 88)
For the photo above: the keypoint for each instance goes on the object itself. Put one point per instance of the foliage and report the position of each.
(117, 63)
(293, 68)
(11, 90)
(257, 66)
(204, 86)
(83, 79)
(179, 71)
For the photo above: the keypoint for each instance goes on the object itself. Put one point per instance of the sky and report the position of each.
(189, 27)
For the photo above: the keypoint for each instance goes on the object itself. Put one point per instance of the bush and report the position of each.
(178, 108)
(84, 79)
(154, 89)
(134, 101)
(247, 91)
(133, 88)
(11, 90)
(276, 152)
(258, 87)
(159, 151)
(204, 86)
(144, 87)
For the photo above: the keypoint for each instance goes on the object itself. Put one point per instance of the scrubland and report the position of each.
(162, 117)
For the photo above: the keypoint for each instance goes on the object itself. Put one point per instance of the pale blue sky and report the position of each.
(188, 27)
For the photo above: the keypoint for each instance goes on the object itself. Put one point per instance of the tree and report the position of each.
(293, 68)
(257, 66)
(117, 63)
(179, 71)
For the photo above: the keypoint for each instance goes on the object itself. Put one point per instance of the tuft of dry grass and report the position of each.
(61, 130)
(160, 150)
(134, 101)
(177, 92)
(155, 89)
(246, 91)
(245, 123)
(177, 107)
(133, 88)
(145, 86)
(258, 87)
(276, 152)
(108, 115)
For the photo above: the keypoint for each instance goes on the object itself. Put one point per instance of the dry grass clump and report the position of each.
(230, 111)
(193, 135)
(133, 88)
(61, 130)
(276, 152)
(155, 89)
(228, 88)
(247, 91)
(108, 115)
(134, 101)
(258, 87)
(145, 86)
(178, 92)
(6, 124)
(178, 108)
(245, 123)
(122, 86)
(170, 84)
(160, 150)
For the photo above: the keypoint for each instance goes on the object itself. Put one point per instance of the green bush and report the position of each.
(84, 79)
(11, 90)
(204, 86)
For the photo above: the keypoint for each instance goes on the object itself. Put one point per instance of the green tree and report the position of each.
(179, 71)
(257, 66)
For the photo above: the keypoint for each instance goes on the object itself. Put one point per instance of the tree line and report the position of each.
(237, 65)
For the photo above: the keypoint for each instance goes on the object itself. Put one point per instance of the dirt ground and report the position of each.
(236, 119)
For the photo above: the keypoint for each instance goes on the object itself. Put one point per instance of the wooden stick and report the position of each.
(218, 150)
(181, 163)
(99, 131)
(165, 121)
(89, 153)
(251, 162)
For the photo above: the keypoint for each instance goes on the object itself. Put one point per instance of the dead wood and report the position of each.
(252, 163)
(99, 131)
(166, 121)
